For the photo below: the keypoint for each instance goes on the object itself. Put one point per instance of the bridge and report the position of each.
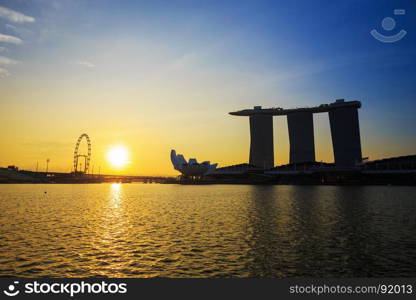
(16, 176)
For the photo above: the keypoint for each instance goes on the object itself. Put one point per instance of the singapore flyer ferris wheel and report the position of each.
(87, 156)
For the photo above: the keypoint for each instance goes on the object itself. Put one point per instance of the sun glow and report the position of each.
(118, 156)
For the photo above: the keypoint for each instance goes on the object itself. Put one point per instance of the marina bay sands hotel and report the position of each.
(345, 132)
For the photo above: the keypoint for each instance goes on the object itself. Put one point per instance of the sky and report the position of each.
(153, 76)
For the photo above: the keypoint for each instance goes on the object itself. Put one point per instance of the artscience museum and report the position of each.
(191, 168)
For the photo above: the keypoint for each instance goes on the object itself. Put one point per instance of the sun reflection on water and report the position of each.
(115, 186)
(115, 195)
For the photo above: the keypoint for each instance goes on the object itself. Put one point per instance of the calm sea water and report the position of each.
(139, 230)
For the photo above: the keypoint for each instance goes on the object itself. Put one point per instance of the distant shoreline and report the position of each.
(323, 176)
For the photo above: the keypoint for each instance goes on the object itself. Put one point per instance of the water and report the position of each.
(139, 230)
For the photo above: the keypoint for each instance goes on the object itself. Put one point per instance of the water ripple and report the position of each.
(138, 230)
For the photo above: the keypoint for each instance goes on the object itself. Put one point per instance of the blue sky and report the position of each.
(205, 58)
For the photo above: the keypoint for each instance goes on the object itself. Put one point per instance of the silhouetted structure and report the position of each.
(190, 168)
(301, 137)
(87, 157)
(261, 140)
(345, 132)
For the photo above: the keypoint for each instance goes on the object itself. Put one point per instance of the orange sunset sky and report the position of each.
(153, 76)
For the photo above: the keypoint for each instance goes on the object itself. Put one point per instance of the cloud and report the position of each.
(8, 61)
(4, 72)
(10, 39)
(11, 26)
(15, 16)
(86, 64)
(19, 30)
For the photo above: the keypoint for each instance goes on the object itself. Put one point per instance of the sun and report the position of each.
(118, 156)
